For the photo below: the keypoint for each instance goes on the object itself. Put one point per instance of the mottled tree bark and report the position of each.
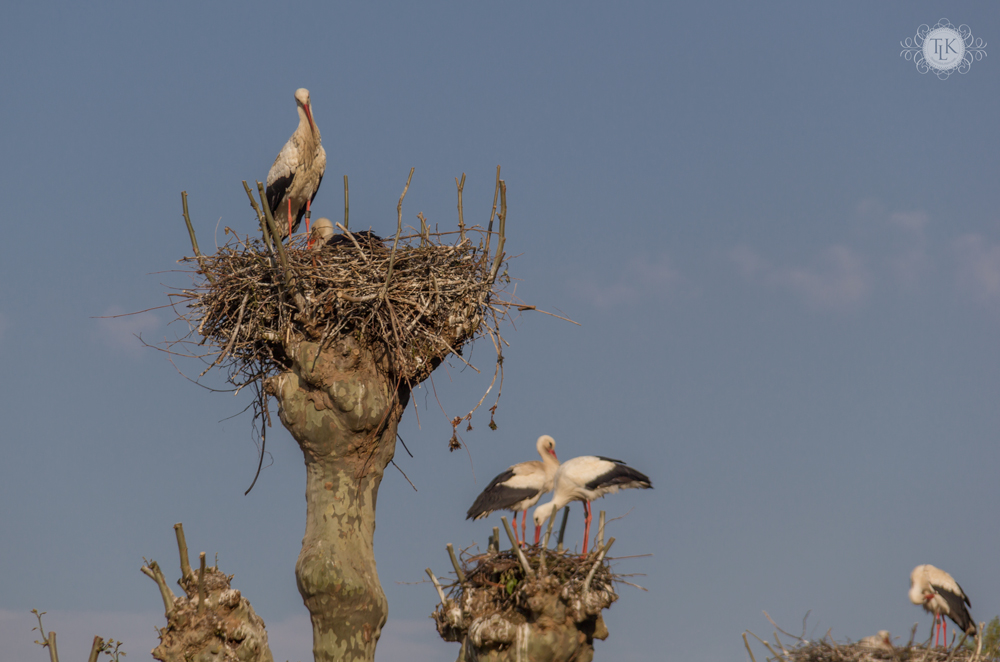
(342, 408)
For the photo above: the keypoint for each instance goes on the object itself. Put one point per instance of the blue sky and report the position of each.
(782, 243)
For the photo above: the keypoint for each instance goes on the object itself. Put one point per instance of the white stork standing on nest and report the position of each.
(585, 479)
(296, 174)
(938, 592)
(520, 487)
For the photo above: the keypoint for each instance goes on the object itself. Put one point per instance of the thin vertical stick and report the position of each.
(517, 548)
(201, 582)
(95, 649)
(461, 214)
(545, 544)
(502, 218)
(182, 549)
(562, 529)
(455, 564)
(53, 653)
(600, 557)
(425, 237)
(347, 204)
(437, 585)
(46, 642)
(489, 228)
(194, 239)
(747, 644)
(399, 230)
(600, 529)
(260, 217)
(496, 537)
(274, 231)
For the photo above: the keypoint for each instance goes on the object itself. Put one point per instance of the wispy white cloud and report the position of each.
(640, 278)
(910, 261)
(837, 279)
(978, 269)
(119, 331)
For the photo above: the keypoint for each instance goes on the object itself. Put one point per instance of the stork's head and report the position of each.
(322, 232)
(302, 99)
(543, 513)
(547, 444)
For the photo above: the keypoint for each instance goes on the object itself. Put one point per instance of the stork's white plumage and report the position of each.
(585, 479)
(520, 487)
(297, 172)
(882, 641)
(938, 592)
(321, 233)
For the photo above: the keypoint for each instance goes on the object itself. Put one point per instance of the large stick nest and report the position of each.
(439, 297)
(496, 590)
(411, 300)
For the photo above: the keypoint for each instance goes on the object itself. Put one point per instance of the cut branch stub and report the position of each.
(219, 625)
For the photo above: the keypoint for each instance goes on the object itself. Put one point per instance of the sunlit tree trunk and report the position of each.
(343, 410)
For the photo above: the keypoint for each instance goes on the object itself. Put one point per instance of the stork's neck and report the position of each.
(308, 131)
(549, 463)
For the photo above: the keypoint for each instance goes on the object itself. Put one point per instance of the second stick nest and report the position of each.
(496, 595)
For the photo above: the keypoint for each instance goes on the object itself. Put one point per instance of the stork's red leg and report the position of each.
(586, 527)
(944, 631)
(308, 214)
(524, 524)
(515, 528)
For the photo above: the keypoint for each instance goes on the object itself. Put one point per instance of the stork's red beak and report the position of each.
(538, 533)
(553, 452)
(309, 116)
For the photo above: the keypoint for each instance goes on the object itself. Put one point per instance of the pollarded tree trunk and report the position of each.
(342, 409)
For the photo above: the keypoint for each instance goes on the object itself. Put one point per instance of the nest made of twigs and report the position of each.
(826, 651)
(496, 585)
(418, 303)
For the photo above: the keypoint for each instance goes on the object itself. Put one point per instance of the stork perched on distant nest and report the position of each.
(520, 487)
(938, 592)
(295, 177)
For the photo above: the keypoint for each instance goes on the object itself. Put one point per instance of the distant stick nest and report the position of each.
(412, 300)
(797, 648)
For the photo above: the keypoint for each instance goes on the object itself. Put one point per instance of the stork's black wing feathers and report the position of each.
(317, 186)
(958, 613)
(498, 496)
(276, 191)
(621, 474)
(609, 459)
